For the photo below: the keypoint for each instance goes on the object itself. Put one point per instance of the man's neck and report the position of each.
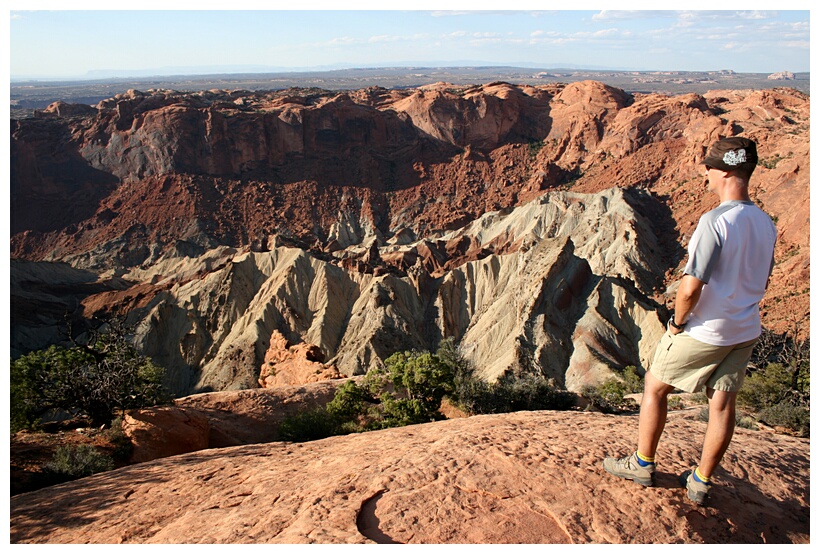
(734, 189)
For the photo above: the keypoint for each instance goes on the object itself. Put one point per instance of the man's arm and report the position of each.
(687, 297)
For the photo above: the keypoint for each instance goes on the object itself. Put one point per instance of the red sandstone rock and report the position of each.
(297, 364)
(165, 431)
(147, 171)
(519, 478)
(253, 416)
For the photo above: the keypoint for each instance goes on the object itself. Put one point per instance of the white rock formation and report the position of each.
(561, 289)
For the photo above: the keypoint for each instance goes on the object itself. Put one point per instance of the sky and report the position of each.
(161, 38)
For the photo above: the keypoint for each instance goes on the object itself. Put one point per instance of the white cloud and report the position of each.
(684, 17)
(342, 41)
(755, 14)
(800, 44)
(486, 41)
(606, 33)
(605, 15)
(383, 38)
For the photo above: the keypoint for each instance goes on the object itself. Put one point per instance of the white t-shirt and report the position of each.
(732, 251)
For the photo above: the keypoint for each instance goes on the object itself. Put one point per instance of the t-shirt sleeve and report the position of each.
(704, 250)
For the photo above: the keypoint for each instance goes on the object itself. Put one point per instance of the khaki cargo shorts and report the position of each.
(688, 364)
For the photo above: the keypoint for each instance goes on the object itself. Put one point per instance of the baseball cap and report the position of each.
(732, 153)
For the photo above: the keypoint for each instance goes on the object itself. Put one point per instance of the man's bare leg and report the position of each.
(652, 418)
(640, 466)
(719, 430)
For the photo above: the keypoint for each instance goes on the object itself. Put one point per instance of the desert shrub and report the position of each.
(785, 414)
(398, 412)
(350, 402)
(788, 351)
(507, 394)
(768, 387)
(777, 386)
(675, 402)
(123, 447)
(511, 394)
(75, 461)
(41, 380)
(609, 395)
(422, 380)
(409, 390)
(534, 147)
(633, 381)
(699, 398)
(746, 422)
(346, 413)
(317, 423)
(95, 379)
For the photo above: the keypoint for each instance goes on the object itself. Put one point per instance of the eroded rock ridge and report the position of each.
(538, 226)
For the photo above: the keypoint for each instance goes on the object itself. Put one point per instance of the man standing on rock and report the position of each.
(716, 321)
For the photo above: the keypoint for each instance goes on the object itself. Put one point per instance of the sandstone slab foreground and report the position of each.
(526, 477)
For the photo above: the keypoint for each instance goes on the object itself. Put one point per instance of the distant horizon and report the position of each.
(208, 71)
(79, 45)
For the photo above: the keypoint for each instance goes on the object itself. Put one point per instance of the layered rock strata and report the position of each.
(208, 216)
(562, 286)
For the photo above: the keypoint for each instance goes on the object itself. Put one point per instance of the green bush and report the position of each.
(75, 461)
(350, 402)
(309, 425)
(791, 353)
(512, 394)
(420, 381)
(409, 390)
(777, 387)
(534, 147)
(699, 398)
(784, 414)
(609, 395)
(633, 381)
(507, 394)
(746, 422)
(95, 379)
(123, 447)
(346, 413)
(766, 387)
(41, 380)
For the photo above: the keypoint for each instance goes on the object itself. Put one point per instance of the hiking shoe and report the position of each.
(628, 468)
(696, 491)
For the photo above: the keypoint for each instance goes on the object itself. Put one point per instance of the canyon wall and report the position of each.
(538, 226)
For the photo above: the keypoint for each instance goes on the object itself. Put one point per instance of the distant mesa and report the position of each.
(782, 76)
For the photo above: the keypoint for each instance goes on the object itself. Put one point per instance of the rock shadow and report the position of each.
(368, 522)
